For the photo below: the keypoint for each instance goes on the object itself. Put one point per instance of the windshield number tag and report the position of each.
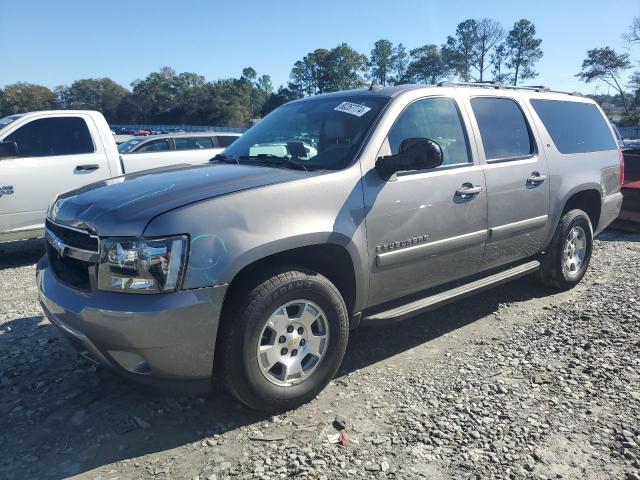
(352, 108)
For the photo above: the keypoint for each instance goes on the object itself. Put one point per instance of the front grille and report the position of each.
(74, 238)
(75, 272)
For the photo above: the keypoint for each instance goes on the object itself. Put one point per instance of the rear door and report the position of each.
(516, 176)
(57, 154)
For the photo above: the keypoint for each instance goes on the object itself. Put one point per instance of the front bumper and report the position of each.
(158, 337)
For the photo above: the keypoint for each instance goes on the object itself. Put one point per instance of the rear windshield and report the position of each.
(575, 127)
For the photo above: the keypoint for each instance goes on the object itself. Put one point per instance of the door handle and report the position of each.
(87, 168)
(536, 179)
(6, 190)
(468, 190)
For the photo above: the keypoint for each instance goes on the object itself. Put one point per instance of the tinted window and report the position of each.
(53, 136)
(193, 143)
(437, 119)
(226, 140)
(154, 146)
(503, 129)
(574, 127)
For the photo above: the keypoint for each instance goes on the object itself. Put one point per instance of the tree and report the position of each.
(523, 50)
(460, 50)
(633, 35)
(26, 97)
(604, 64)
(306, 74)
(427, 65)
(489, 34)
(102, 94)
(322, 71)
(382, 57)
(400, 63)
(498, 60)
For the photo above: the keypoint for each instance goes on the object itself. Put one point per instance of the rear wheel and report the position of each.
(566, 260)
(283, 340)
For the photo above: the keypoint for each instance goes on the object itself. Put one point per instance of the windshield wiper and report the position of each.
(225, 158)
(270, 159)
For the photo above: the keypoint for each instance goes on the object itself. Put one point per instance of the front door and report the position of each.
(422, 228)
(57, 154)
(517, 183)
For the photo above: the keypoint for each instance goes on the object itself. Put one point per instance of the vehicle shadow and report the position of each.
(614, 234)
(60, 415)
(20, 253)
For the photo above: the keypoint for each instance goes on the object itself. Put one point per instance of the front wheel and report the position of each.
(283, 340)
(566, 260)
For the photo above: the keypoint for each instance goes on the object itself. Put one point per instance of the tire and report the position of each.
(245, 333)
(556, 268)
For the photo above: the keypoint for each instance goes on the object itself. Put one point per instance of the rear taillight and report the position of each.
(621, 166)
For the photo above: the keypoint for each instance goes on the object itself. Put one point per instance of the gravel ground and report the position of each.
(519, 382)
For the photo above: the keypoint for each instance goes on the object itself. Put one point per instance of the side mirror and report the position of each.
(8, 150)
(415, 154)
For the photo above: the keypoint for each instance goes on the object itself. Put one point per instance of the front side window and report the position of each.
(319, 133)
(48, 137)
(503, 128)
(193, 143)
(437, 119)
(154, 146)
(575, 127)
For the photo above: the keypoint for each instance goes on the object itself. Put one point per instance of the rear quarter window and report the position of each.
(575, 127)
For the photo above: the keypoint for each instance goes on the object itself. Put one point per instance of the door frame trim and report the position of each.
(507, 230)
(431, 249)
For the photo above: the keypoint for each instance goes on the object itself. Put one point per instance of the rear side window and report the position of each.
(193, 143)
(575, 127)
(47, 137)
(503, 128)
(226, 140)
(154, 146)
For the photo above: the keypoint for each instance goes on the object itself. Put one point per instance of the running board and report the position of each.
(434, 301)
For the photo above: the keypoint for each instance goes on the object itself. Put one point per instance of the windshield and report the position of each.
(323, 133)
(7, 120)
(129, 145)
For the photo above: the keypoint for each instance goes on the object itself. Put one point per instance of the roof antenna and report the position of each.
(374, 87)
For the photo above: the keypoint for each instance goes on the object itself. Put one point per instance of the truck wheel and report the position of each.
(566, 260)
(283, 340)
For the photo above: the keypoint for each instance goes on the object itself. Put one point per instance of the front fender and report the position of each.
(230, 232)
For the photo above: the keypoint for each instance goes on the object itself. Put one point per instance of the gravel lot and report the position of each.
(519, 382)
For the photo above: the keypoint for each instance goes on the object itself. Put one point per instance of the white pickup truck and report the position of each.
(46, 153)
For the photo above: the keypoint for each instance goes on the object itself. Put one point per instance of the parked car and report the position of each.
(388, 203)
(179, 142)
(142, 133)
(46, 153)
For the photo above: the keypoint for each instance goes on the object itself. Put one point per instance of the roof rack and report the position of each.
(502, 86)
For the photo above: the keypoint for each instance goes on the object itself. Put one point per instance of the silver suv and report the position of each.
(365, 206)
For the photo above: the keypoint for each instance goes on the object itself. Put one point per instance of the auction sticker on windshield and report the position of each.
(352, 108)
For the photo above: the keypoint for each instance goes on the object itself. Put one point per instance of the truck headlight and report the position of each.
(142, 266)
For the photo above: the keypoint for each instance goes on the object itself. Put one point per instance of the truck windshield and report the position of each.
(322, 133)
(7, 120)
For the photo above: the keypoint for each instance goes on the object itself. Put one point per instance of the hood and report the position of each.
(123, 206)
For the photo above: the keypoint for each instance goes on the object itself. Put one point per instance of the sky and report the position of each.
(56, 42)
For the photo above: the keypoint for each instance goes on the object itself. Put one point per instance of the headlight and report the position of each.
(142, 266)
